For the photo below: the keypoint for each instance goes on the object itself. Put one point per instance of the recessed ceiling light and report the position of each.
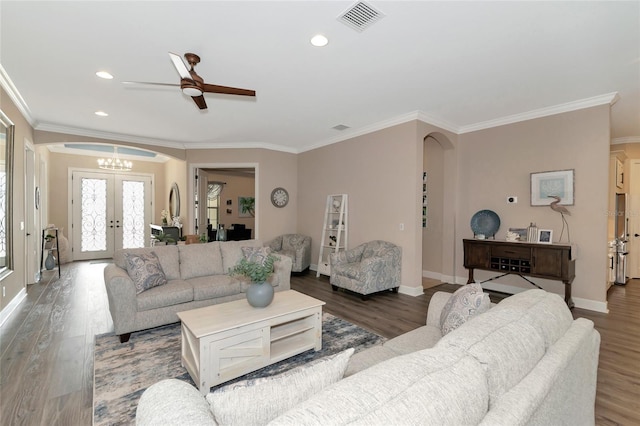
(319, 40)
(104, 74)
(101, 114)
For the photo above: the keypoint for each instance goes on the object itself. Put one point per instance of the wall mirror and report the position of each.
(174, 201)
(6, 195)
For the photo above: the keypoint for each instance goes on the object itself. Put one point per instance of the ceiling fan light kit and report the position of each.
(192, 84)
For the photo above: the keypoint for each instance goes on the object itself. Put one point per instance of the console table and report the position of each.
(549, 261)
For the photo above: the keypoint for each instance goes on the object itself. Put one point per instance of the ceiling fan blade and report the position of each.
(199, 100)
(148, 83)
(213, 88)
(180, 66)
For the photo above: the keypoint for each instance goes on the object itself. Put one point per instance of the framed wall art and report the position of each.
(557, 183)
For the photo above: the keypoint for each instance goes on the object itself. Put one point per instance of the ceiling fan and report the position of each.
(192, 84)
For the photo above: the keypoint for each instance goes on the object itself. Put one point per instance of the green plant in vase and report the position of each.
(260, 292)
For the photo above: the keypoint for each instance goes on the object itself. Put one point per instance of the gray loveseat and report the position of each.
(526, 361)
(197, 276)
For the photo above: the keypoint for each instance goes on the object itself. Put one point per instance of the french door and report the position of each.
(109, 212)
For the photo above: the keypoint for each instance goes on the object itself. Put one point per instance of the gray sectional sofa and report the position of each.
(197, 276)
(525, 361)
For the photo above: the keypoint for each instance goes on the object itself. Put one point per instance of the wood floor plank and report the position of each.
(46, 347)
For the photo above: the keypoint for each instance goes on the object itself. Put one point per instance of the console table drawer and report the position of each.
(511, 252)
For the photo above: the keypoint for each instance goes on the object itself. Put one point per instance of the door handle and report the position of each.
(636, 235)
(28, 234)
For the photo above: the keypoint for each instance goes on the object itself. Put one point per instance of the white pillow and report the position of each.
(465, 303)
(258, 401)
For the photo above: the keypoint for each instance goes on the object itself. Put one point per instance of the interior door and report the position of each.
(633, 216)
(32, 263)
(109, 212)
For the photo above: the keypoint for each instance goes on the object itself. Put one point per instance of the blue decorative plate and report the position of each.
(485, 222)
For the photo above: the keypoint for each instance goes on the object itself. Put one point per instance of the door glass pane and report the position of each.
(132, 214)
(93, 194)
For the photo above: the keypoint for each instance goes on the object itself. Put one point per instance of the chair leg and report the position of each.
(334, 287)
(394, 290)
(364, 297)
(124, 337)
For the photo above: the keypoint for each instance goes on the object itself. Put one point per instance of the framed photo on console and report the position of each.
(545, 236)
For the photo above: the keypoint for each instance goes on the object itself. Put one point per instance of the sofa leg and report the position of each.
(124, 338)
(334, 287)
(394, 290)
(364, 297)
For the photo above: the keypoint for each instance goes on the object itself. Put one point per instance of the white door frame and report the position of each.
(633, 217)
(191, 190)
(73, 170)
(32, 234)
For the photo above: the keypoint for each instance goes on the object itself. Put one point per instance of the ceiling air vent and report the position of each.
(360, 16)
(340, 127)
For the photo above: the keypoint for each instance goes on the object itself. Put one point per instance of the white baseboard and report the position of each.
(432, 275)
(8, 310)
(588, 304)
(411, 291)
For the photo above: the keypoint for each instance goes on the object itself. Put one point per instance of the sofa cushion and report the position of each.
(172, 293)
(145, 271)
(232, 252)
(465, 303)
(509, 340)
(168, 255)
(199, 260)
(257, 401)
(424, 337)
(256, 254)
(214, 286)
(434, 386)
(369, 357)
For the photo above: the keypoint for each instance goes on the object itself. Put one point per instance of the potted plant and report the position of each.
(259, 292)
(163, 239)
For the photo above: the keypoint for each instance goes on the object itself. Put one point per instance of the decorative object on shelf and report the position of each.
(279, 197)
(246, 206)
(50, 261)
(562, 210)
(164, 215)
(545, 236)
(512, 236)
(257, 267)
(522, 233)
(221, 233)
(532, 233)
(485, 224)
(558, 183)
(114, 163)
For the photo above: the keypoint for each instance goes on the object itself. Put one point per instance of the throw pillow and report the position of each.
(466, 302)
(258, 401)
(256, 254)
(145, 271)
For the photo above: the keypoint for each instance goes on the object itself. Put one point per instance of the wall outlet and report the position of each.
(402, 227)
(512, 199)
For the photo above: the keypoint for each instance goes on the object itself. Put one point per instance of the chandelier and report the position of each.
(115, 163)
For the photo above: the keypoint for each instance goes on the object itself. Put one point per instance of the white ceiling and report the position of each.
(460, 65)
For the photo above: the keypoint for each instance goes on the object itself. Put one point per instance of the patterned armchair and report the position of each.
(369, 268)
(295, 246)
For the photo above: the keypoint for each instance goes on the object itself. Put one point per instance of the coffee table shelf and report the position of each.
(225, 341)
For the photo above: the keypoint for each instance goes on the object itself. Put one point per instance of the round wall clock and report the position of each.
(279, 197)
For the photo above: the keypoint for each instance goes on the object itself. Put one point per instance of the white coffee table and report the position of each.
(225, 341)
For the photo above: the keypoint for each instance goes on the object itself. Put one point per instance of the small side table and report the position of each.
(44, 233)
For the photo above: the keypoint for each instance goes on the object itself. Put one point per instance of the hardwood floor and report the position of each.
(46, 346)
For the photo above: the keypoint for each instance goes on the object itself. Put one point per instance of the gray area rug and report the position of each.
(122, 371)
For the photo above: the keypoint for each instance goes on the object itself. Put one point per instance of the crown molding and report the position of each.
(77, 131)
(12, 91)
(240, 145)
(401, 119)
(627, 139)
(609, 98)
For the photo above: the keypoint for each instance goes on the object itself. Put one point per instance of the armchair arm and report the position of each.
(121, 293)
